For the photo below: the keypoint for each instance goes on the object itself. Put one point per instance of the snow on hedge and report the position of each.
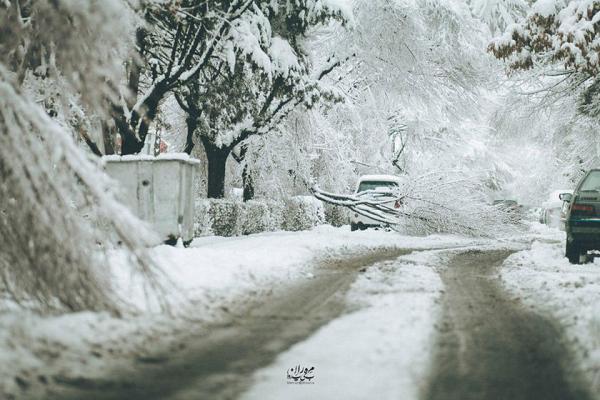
(230, 217)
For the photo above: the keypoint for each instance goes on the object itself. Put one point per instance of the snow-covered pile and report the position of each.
(384, 346)
(543, 279)
(37, 351)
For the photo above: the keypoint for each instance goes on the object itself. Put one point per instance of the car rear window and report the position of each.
(372, 185)
(591, 182)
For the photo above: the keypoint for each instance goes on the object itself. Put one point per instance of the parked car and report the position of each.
(380, 185)
(582, 220)
(554, 210)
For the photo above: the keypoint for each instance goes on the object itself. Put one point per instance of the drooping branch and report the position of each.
(431, 203)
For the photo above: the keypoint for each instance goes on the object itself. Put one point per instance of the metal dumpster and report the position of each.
(158, 190)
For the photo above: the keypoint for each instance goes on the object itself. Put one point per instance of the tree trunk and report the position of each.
(192, 124)
(108, 137)
(248, 181)
(217, 160)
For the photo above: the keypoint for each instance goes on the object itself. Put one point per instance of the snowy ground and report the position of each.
(218, 270)
(383, 346)
(211, 277)
(543, 278)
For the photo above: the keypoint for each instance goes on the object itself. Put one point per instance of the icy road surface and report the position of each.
(428, 320)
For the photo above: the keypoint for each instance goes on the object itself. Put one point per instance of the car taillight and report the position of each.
(397, 204)
(582, 209)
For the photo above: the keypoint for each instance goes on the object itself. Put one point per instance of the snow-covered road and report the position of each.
(212, 283)
(324, 314)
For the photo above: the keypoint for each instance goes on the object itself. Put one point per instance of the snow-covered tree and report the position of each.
(416, 82)
(554, 31)
(552, 58)
(51, 196)
(498, 14)
(255, 79)
(174, 46)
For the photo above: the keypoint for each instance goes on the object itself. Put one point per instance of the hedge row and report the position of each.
(226, 217)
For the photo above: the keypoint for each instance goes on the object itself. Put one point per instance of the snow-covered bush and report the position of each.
(230, 217)
(255, 218)
(302, 212)
(261, 216)
(336, 216)
(202, 219)
(226, 216)
(276, 214)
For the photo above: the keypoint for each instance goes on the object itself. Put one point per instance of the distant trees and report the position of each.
(498, 14)
(413, 77)
(553, 53)
(414, 74)
(560, 41)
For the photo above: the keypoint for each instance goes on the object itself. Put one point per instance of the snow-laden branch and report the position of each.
(433, 203)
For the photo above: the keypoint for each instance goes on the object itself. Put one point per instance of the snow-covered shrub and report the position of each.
(229, 217)
(202, 219)
(255, 217)
(225, 216)
(276, 214)
(302, 212)
(336, 216)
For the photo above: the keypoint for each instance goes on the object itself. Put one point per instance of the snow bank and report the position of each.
(37, 351)
(384, 346)
(570, 294)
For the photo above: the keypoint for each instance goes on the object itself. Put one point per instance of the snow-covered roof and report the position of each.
(380, 178)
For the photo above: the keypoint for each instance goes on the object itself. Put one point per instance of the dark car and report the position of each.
(582, 219)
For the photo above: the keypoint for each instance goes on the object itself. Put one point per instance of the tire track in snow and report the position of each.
(492, 347)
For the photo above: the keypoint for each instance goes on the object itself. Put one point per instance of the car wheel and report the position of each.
(353, 227)
(573, 252)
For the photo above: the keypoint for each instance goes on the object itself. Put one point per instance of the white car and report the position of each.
(379, 184)
(554, 210)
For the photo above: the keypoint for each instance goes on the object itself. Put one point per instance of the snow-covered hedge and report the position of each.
(302, 212)
(336, 215)
(231, 217)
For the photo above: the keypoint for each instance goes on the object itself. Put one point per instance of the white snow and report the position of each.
(570, 294)
(284, 57)
(145, 157)
(36, 350)
(545, 8)
(380, 351)
(229, 268)
(217, 273)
